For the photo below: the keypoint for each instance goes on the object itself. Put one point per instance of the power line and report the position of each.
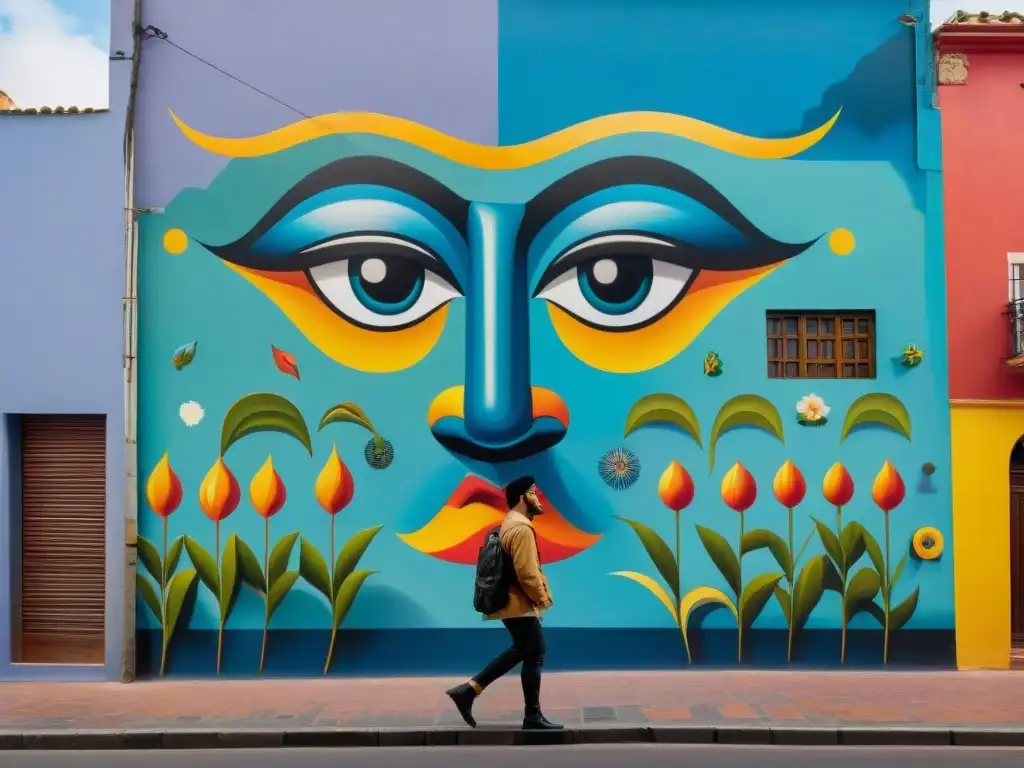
(155, 33)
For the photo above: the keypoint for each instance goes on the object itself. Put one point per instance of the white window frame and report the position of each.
(1015, 275)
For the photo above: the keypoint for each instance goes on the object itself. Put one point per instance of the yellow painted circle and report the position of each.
(842, 242)
(928, 543)
(175, 241)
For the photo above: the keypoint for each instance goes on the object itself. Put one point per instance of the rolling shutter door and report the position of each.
(63, 511)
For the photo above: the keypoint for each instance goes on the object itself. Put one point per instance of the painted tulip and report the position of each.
(888, 489)
(676, 487)
(163, 489)
(837, 487)
(219, 493)
(334, 486)
(789, 486)
(738, 488)
(266, 490)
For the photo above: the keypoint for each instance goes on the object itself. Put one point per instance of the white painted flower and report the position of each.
(812, 408)
(191, 413)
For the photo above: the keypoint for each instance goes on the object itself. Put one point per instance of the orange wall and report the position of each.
(983, 160)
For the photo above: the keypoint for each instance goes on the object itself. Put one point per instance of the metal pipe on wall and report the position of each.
(129, 313)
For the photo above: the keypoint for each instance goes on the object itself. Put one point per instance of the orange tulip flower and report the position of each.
(334, 486)
(739, 490)
(888, 489)
(267, 491)
(789, 486)
(837, 487)
(676, 487)
(163, 489)
(219, 493)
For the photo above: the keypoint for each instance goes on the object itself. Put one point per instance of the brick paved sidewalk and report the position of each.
(691, 698)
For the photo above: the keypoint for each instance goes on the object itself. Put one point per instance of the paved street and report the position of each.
(602, 699)
(651, 756)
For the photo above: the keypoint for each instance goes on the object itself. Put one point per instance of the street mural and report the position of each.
(363, 327)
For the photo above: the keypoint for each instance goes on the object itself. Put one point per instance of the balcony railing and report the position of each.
(1015, 313)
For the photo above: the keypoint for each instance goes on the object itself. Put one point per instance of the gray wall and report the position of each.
(61, 284)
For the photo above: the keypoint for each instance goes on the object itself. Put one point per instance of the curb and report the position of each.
(140, 739)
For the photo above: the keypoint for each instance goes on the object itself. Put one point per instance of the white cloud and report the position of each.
(45, 61)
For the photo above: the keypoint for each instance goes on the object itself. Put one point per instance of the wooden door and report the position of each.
(1017, 555)
(63, 519)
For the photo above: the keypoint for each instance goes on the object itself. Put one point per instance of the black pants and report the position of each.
(528, 648)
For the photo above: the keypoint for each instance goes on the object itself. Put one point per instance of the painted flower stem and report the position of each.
(789, 581)
(679, 570)
(842, 580)
(885, 593)
(220, 624)
(739, 596)
(163, 600)
(266, 598)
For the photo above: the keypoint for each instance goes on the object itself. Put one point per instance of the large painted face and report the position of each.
(564, 270)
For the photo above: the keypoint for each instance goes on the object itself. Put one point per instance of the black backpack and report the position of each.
(494, 574)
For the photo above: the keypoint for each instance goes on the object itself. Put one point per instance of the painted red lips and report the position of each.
(457, 531)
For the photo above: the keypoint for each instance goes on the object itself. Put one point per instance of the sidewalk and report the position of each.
(919, 708)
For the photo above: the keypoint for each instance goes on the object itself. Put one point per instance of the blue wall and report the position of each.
(212, 274)
(61, 285)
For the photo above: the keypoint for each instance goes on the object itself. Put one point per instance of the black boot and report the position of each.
(535, 721)
(463, 696)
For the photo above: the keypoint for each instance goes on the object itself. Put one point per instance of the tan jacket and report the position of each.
(530, 593)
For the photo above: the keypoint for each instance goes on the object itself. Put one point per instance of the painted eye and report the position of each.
(617, 282)
(379, 282)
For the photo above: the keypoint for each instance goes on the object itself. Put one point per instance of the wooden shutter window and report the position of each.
(63, 519)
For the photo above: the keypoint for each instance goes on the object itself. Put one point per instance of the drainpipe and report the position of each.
(129, 316)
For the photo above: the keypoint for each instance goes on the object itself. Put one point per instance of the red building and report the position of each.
(981, 96)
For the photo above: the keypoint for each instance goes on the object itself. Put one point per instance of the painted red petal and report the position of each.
(285, 362)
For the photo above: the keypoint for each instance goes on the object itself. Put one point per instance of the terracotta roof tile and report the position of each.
(53, 111)
(985, 17)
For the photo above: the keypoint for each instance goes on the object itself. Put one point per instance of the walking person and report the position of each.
(511, 586)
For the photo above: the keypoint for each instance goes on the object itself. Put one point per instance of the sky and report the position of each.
(55, 52)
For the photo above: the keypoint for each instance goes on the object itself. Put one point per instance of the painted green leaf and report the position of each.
(782, 597)
(350, 554)
(756, 595)
(831, 580)
(204, 565)
(249, 567)
(663, 408)
(282, 585)
(659, 553)
(313, 568)
(263, 412)
(173, 557)
(852, 544)
(696, 598)
(722, 555)
(874, 554)
(149, 556)
(277, 563)
(744, 411)
(184, 355)
(874, 610)
(178, 592)
(762, 538)
(861, 591)
(346, 413)
(810, 586)
(901, 614)
(149, 596)
(347, 592)
(831, 544)
(229, 583)
(653, 587)
(898, 572)
(877, 408)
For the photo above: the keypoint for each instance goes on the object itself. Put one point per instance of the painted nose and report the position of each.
(446, 418)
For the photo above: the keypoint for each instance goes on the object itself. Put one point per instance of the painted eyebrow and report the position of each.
(378, 171)
(619, 171)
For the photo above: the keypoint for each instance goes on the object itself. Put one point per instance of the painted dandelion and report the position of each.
(619, 468)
